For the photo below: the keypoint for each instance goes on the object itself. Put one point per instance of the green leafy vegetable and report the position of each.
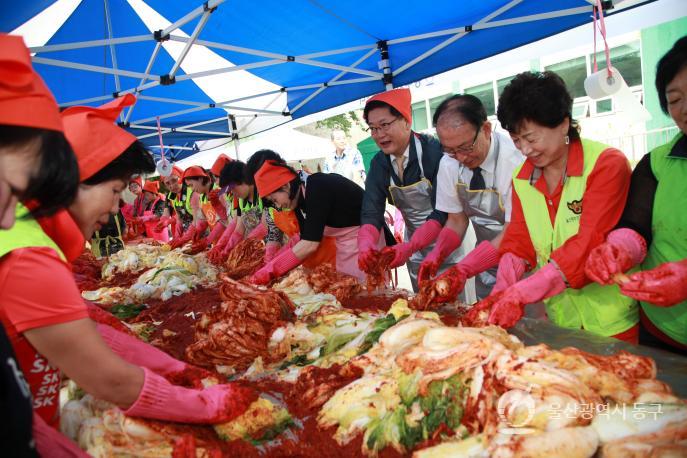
(127, 311)
(380, 325)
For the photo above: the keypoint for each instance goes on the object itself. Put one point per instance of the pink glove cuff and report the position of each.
(447, 241)
(511, 269)
(426, 234)
(483, 257)
(368, 235)
(234, 240)
(271, 250)
(155, 394)
(216, 232)
(546, 282)
(285, 262)
(259, 232)
(139, 353)
(633, 243)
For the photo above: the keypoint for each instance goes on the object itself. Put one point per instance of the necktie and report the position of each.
(477, 181)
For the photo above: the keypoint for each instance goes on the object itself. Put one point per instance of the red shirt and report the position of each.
(37, 289)
(603, 202)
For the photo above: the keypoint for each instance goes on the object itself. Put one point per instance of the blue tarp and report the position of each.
(293, 28)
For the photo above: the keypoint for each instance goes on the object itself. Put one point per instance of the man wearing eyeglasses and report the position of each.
(473, 183)
(404, 174)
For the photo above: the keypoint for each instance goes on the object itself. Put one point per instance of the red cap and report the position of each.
(195, 171)
(219, 164)
(271, 177)
(152, 186)
(25, 100)
(177, 171)
(137, 180)
(94, 136)
(397, 98)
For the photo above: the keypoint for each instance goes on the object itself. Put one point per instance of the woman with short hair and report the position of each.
(567, 196)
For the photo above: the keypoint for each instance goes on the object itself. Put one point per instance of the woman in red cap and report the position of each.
(327, 209)
(246, 221)
(50, 326)
(37, 165)
(134, 209)
(178, 214)
(204, 214)
(404, 174)
(153, 207)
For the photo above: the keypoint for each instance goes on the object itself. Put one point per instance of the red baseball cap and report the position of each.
(94, 136)
(137, 180)
(271, 177)
(195, 171)
(152, 186)
(397, 98)
(177, 171)
(25, 100)
(219, 164)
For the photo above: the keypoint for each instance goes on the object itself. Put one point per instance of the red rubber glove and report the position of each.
(137, 352)
(271, 250)
(215, 199)
(623, 249)
(368, 236)
(201, 226)
(448, 241)
(664, 286)
(185, 237)
(259, 232)
(51, 443)
(423, 236)
(215, 254)
(544, 283)
(283, 263)
(511, 269)
(161, 400)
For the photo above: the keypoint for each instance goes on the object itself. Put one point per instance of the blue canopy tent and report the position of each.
(230, 69)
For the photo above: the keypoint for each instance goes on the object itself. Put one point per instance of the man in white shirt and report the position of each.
(473, 184)
(345, 161)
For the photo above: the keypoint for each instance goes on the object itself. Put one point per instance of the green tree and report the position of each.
(343, 121)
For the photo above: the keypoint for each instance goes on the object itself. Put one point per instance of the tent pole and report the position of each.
(85, 101)
(149, 67)
(189, 43)
(457, 36)
(113, 54)
(337, 77)
(211, 5)
(90, 44)
(86, 67)
(384, 65)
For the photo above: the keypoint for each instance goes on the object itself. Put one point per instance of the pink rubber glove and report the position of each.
(215, 233)
(423, 236)
(163, 223)
(51, 443)
(447, 241)
(160, 400)
(483, 257)
(623, 249)
(259, 232)
(511, 269)
(368, 236)
(283, 263)
(216, 250)
(185, 237)
(664, 286)
(139, 353)
(544, 283)
(234, 240)
(271, 250)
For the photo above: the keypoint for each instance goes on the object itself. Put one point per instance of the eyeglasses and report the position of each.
(383, 127)
(463, 149)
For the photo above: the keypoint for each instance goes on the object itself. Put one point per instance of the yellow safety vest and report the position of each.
(598, 309)
(26, 233)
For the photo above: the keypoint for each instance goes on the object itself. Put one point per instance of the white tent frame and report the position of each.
(149, 80)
